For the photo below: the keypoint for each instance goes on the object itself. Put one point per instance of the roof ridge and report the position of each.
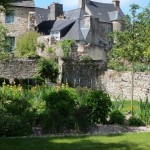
(72, 10)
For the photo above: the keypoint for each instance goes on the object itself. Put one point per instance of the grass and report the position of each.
(130, 141)
(127, 106)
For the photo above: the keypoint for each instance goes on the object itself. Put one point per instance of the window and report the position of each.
(10, 43)
(107, 29)
(9, 17)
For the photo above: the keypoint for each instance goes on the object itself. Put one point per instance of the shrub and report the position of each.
(144, 111)
(81, 118)
(133, 121)
(26, 45)
(99, 105)
(13, 126)
(48, 69)
(116, 117)
(60, 106)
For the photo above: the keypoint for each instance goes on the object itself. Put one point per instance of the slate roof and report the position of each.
(41, 15)
(23, 3)
(46, 26)
(61, 24)
(75, 14)
(74, 33)
(73, 24)
(104, 11)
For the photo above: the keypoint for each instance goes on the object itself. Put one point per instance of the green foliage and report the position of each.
(81, 118)
(132, 44)
(66, 47)
(60, 105)
(116, 117)
(14, 103)
(48, 69)
(26, 45)
(51, 50)
(12, 126)
(117, 104)
(4, 4)
(134, 121)
(144, 111)
(3, 54)
(99, 105)
(121, 66)
(85, 58)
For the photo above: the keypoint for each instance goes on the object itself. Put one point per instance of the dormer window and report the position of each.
(9, 16)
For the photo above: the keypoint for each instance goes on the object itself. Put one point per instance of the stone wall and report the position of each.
(21, 22)
(83, 74)
(118, 25)
(17, 69)
(119, 83)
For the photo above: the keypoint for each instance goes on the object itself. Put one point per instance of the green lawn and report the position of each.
(130, 141)
(127, 106)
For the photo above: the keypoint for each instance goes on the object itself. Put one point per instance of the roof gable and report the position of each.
(103, 11)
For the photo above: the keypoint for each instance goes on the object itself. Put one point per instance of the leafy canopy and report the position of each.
(132, 44)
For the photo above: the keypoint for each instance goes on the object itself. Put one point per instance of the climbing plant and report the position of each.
(66, 47)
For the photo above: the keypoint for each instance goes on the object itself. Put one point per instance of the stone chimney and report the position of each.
(116, 3)
(82, 3)
(56, 10)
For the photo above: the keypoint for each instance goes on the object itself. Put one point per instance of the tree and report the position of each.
(4, 4)
(132, 44)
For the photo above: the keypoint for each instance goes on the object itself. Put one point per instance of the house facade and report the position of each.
(20, 18)
(88, 25)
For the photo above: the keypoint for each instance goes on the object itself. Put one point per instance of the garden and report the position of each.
(42, 109)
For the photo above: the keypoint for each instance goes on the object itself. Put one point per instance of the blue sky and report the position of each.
(72, 4)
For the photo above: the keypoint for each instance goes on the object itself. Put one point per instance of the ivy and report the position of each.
(66, 47)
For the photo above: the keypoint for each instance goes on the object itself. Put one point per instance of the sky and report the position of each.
(73, 4)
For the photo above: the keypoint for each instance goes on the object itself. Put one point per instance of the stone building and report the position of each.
(88, 26)
(21, 17)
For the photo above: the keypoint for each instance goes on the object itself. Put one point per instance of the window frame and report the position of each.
(9, 17)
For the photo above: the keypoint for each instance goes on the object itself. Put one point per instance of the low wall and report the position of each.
(83, 74)
(17, 69)
(119, 83)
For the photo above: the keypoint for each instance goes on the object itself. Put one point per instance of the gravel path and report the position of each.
(116, 129)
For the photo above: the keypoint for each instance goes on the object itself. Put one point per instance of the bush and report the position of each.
(13, 126)
(60, 106)
(81, 118)
(133, 121)
(26, 45)
(99, 105)
(48, 69)
(116, 117)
